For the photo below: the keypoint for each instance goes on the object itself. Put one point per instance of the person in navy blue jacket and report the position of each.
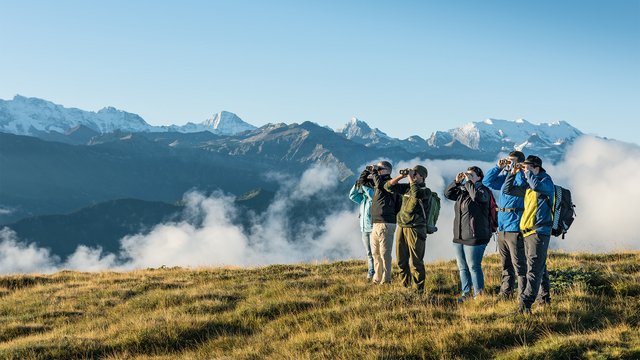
(510, 240)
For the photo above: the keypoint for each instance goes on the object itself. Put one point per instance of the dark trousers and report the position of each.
(514, 262)
(544, 294)
(535, 247)
(410, 246)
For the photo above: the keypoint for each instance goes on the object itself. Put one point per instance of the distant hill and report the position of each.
(98, 225)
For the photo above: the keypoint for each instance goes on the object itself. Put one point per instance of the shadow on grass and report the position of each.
(271, 311)
(16, 331)
(24, 281)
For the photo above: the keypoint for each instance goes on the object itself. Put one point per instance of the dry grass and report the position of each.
(325, 311)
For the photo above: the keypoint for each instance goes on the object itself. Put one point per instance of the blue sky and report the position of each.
(406, 67)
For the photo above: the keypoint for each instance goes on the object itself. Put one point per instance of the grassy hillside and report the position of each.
(318, 311)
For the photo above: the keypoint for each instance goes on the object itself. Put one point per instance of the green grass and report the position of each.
(325, 311)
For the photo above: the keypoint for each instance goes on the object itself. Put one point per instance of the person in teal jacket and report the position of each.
(362, 194)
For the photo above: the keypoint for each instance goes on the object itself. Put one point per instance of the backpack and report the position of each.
(563, 212)
(493, 212)
(433, 205)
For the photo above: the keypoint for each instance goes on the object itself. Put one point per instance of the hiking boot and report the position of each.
(463, 298)
(543, 301)
(523, 309)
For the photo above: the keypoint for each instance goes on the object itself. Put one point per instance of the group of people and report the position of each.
(391, 210)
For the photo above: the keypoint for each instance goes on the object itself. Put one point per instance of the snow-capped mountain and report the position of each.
(503, 135)
(37, 117)
(227, 123)
(359, 131)
(30, 116)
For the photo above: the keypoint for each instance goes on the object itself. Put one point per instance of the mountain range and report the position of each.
(63, 169)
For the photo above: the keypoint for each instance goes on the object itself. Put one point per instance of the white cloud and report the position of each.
(601, 175)
(18, 257)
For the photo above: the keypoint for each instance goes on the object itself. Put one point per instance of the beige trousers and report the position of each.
(381, 246)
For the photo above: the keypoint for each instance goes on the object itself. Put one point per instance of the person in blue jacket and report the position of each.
(362, 194)
(535, 225)
(510, 208)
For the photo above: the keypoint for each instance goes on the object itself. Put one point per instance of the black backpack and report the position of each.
(563, 212)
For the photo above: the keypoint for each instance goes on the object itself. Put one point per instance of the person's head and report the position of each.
(516, 157)
(384, 168)
(533, 163)
(421, 173)
(474, 174)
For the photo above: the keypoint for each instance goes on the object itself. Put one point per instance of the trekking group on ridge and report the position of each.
(529, 209)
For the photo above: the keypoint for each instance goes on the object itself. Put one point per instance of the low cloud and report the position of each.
(600, 173)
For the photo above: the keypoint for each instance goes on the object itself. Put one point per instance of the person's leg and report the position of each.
(385, 249)
(465, 277)
(474, 256)
(544, 295)
(376, 241)
(402, 255)
(519, 259)
(416, 239)
(536, 246)
(508, 276)
(366, 241)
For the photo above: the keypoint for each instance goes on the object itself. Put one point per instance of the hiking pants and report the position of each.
(535, 247)
(514, 262)
(381, 246)
(410, 246)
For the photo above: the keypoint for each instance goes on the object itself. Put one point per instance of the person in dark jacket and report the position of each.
(471, 228)
(510, 208)
(411, 236)
(539, 197)
(384, 208)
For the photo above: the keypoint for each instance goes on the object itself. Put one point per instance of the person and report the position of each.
(510, 208)
(412, 225)
(535, 226)
(384, 208)
(471, 228)
(362, 194)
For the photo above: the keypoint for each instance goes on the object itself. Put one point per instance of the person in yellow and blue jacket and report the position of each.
(535, 224)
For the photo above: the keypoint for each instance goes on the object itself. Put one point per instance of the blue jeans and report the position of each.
(469, 259)
(366, 241)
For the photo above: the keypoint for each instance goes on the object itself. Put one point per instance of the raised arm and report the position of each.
(494, 178)
(477, 192)
(542, 185)
(515, 190)
(452, 192)
(356, 194)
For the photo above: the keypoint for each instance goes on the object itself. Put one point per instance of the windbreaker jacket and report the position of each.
(363, 196)
(385, 204)
(413, 212)
(471, 223)
(509, 221)
(539, 197)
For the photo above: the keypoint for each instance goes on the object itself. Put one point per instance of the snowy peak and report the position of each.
(359, 131)
(37, 117)
(227, 123)
(501, 135)
(31, 116)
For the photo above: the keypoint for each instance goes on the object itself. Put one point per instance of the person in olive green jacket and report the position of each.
(411, 234)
